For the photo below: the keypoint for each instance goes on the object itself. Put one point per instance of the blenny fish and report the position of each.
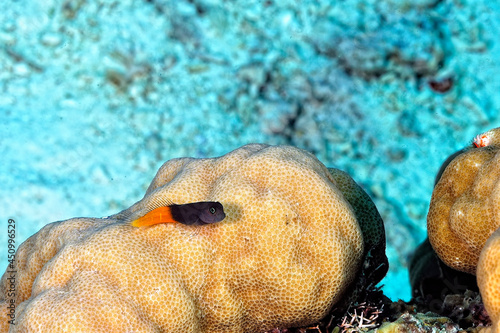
(195, 213)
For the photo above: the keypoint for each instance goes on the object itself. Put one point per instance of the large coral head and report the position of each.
(464, 209)
(288, 250)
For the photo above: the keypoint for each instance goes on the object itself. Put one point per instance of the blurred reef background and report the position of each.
(96, 95)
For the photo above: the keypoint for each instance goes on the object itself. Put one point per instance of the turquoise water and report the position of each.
(96, 96)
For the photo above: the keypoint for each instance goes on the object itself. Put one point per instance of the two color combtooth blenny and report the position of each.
(196, 213)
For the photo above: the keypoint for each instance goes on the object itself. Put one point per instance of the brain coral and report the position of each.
(488, 278)
(288, 249)
(463, 211)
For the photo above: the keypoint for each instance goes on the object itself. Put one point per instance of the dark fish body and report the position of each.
(196, 213)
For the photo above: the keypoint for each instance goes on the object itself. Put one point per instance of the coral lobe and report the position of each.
(289, 249)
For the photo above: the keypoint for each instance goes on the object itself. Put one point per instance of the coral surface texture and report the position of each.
(488, 278)
(288, 250)
(464, 219)
(463, 211)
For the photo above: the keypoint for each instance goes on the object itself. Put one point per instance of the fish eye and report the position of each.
(212, 210)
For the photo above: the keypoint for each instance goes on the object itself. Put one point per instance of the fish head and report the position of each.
(211, 212)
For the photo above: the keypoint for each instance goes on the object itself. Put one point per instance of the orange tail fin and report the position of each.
(156, 216)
